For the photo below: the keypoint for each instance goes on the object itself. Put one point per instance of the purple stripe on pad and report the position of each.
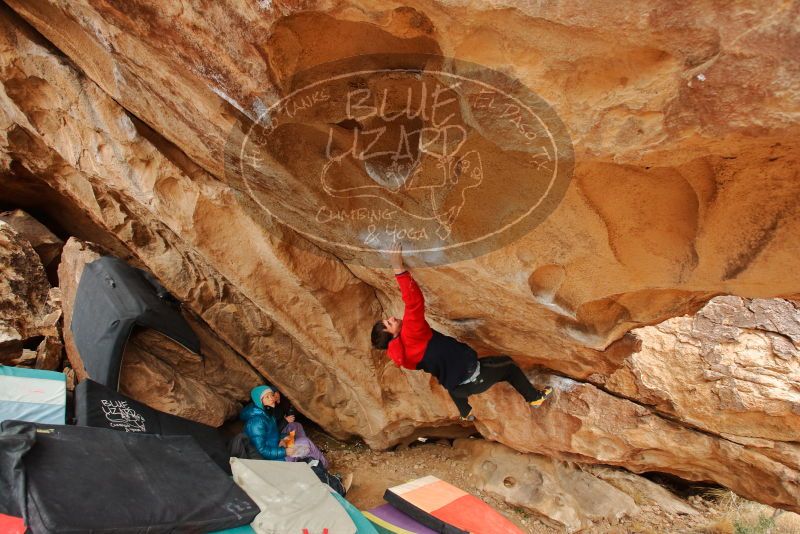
(392, 515)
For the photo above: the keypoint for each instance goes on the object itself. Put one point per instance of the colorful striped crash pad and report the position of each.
(389, 520)
(32, 395)
(446, 508)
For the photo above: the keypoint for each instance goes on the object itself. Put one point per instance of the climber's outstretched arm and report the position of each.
(396, 258)
(415, 328)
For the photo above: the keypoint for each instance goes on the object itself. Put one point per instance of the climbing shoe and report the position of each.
(538, 402)
(347, 481)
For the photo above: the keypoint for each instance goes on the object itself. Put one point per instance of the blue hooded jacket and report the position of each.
(263, 432)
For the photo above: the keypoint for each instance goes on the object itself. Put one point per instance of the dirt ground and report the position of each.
(721, 512)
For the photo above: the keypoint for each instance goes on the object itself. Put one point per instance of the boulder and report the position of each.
(733, 368)
(650, 227)
(300, 318)
(582, 423)
(46, 244)
(643, 491)
(30, 309)
(208, 388)
(560, 492)
(49, 354)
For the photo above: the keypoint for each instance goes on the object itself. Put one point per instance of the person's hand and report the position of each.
(282, 443)
(290, 451)
(289, 418)
(396, 258)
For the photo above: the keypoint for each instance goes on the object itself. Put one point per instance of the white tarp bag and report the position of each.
(291, 498)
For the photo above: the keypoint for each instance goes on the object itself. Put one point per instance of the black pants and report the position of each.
(331, 480)
(494, 369)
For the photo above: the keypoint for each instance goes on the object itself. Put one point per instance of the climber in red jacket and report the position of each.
(412, 344)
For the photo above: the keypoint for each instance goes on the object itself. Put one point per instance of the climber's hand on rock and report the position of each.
(396, 258)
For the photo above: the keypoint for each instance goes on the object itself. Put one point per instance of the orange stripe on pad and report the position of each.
(433, 495)
(475, 516)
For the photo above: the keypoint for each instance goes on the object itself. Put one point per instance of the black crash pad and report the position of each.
(83, 479)
(112, 298)
(100, 406)
(14, 444)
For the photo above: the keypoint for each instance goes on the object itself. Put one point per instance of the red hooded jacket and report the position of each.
(407, 349)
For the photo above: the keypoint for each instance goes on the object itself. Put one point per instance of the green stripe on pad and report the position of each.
(24, 372)
(363, 525)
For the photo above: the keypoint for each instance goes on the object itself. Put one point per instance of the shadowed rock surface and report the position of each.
(30, 309)
(46, 244)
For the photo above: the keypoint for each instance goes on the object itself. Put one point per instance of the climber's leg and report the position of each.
(503, 368)
(496, 369)
(460, 397)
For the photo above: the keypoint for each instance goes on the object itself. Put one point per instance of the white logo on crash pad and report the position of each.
(122, 416)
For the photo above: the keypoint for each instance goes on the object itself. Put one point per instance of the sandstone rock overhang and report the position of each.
(686, 143)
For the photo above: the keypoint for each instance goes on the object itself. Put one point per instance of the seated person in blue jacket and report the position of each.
(269, 436)
(270, 443)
